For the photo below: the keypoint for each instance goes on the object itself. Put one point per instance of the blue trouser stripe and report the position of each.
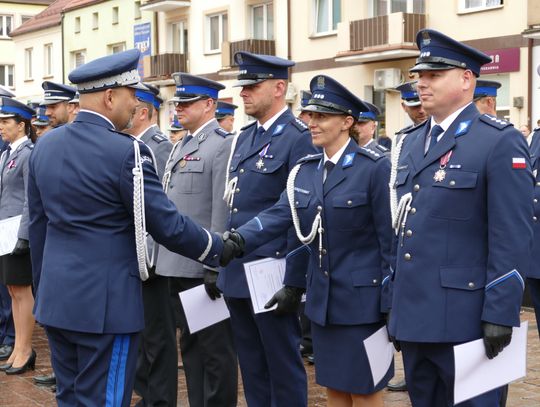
(117, 371)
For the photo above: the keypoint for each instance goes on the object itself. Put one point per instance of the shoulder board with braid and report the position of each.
(159, 138)
(299, 124)
(495, 122)
(368, 152)
(222, 132)
(310, 157)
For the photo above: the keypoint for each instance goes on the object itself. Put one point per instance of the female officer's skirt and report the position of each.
(16, 270)
(341, 362)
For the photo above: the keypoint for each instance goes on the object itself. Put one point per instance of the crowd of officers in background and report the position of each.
(239, 182)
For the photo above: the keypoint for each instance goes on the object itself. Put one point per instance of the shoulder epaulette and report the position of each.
(159, 138)
(404, 130)
(495, 122)
(299, 124)
(30, 146)
(310, 157)
(222, 132)
(248, 125)
(368, 152)
(410, 129)
(382, 148)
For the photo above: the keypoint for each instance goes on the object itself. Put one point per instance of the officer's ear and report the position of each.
(108, 98)
(469, 80)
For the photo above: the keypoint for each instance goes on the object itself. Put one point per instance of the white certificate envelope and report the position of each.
(9, 229)
(264, 278)
(380, 353)
(476, 374)
(200, 310)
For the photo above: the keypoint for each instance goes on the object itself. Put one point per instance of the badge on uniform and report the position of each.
(519, 163)
(187, 158)
(348, 160)
(440, 174)
(11, 164)
(262, 154)
(462, 128)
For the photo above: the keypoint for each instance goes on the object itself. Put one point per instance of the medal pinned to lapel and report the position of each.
(262, 154)
(11, 164)
(440, 174)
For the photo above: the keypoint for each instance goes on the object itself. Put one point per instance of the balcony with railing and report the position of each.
(228, 49)
(379, 38)
(162, 66)
(164, 5)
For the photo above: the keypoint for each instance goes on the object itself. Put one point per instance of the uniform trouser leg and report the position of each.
(534, 288)
(7, 329)
(305, 325)
(157, 365)
(429, 371)
(268, 351)
(93, 369)
(210, 361)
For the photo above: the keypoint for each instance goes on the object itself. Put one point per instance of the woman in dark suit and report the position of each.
(338, 202)
(15, 268)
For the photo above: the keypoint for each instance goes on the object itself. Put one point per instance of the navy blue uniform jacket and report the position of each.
(465, 249)
(81, 227)
(347, 288)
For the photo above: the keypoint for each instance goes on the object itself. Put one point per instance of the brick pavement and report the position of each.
(19, 391)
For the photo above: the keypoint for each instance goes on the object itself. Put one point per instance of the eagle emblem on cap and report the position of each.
(425, 38)
(239, 59)
(320, 82)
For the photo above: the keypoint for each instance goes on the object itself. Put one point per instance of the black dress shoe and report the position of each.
(30, 364)
(5, 367)
(310, 359)
(45, 380)
(397, 386)
(5, 352)
(305, 350)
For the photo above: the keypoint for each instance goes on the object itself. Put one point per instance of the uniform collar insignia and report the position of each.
(278, 130)
(462, 128)
(348, 160)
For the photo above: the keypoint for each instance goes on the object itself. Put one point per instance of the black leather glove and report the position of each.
(210, 279)
(233, 246)
(496, 338)
(287, 299)
(21, 247)
(392, 339)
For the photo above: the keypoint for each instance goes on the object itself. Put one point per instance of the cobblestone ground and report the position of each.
(19, 391)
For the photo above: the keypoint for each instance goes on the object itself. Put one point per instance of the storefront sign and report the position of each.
(504, 60)
(142, 41)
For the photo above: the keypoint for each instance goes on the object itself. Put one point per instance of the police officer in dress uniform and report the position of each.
(261, 158)
(485, 96)
(176, 130)
(463, 224)
(365, 127)
(86, 184)
(339, 205)
(305, 97)
(56, 100)
(195, 182)
(41, 123)
(7, 329)
(156, 376)
(225, 115)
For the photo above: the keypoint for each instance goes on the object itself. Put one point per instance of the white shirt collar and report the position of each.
(16, 144)
(98, 114)
(194, 134)
(335, 158)
(445, 124)
(271, 121)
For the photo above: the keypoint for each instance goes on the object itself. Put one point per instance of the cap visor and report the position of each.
(137, 85)
(6, 115)
(179, 99)
(428, 66)
(40, 124)
(321, 109)
(247, 82)
(53, 101)
(411, 103)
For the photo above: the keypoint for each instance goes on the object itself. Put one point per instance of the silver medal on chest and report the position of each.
(439, 175)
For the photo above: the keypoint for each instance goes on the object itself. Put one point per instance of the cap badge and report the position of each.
(320, 82)
(239, 59)
(425, 38)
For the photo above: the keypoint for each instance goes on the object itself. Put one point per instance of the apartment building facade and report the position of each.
(368, 45)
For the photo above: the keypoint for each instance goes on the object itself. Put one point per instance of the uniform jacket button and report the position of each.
(237, 190)
(235, 210)
(408, 233)
(452, 183)
(535, 200)
(407, 256)
(323, 251)
(277, 254)
(416, 188)
(413, 211)
(241, 171)
(375, 281)
(471, 285)
(326, 273)
(319, 208)
(349, 202)
(535, 218)
(233, 230)
(538, 184)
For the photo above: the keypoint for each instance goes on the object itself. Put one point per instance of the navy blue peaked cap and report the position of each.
(41, 118)
(370, 114)
(486, 88)
(111, 71)
(305, 96)
(150, 95)
(330, 96)
(57, 92)
(75, 98)
(10, 107)
(409, 94)
(255, 68)
(438, 52)
(190, 88)
(6, 93)
(225, 109)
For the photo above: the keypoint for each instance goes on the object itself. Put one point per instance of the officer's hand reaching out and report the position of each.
(233, 246)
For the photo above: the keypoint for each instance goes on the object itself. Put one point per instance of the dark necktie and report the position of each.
(5, 157)
(329, 166)
(435, 132)
(186, 139)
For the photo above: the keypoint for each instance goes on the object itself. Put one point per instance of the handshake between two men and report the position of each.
(287, 298)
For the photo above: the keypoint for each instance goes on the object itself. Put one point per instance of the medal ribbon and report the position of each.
(262, 153)
(190, 158)
(444, 159)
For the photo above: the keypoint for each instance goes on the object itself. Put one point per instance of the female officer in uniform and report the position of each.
(15, 268)
(338, 202)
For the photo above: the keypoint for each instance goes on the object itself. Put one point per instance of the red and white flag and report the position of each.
(519, 162)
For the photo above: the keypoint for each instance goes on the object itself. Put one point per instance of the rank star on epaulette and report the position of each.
(371, 152)
(301, 123)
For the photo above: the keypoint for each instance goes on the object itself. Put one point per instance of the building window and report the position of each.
(95, 20)
(178, 37)
(28, 63)
(262, 21)
(327, 15)
(24, 19)
(474, 5)
(385, 7)
(6, 24)
(48, 59)
(78, 58)
(77, 24)
(6, 75)
(216, 31)
(116, 48)
(137, 10)
(115, 15)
